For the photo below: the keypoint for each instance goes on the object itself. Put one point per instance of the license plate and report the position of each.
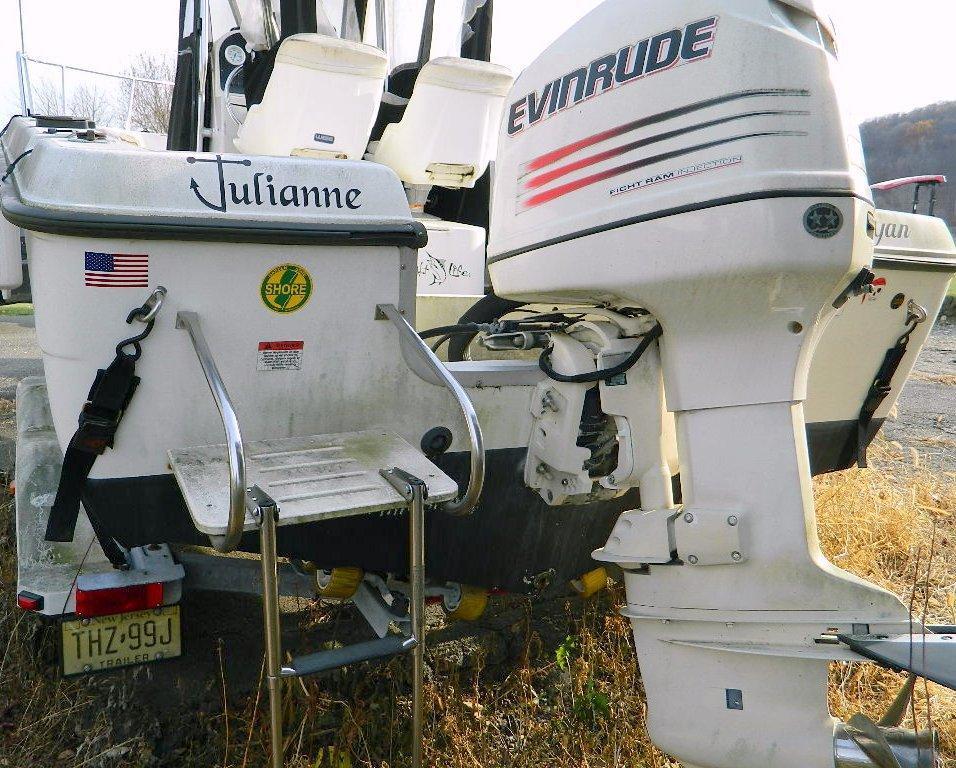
(108, 642)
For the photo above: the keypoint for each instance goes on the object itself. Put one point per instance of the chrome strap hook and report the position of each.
(147, 313)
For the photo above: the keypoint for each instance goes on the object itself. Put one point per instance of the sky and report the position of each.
(897, 55)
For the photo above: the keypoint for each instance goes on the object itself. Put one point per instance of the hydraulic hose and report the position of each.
(448, 330)
(544, 362)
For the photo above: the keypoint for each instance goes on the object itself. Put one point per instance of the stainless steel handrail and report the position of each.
(230, 424)
(467, 503)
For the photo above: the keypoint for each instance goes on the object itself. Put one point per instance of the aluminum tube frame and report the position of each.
(270, 28)
(236, 12)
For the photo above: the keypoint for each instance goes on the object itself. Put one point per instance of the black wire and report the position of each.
(437, 345)
(544, 362)
(451, 329)
(14, 164)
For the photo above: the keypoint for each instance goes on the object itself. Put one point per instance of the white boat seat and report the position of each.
(321, 100)
(449, 131)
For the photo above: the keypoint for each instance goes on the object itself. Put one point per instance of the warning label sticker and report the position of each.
(280, 356)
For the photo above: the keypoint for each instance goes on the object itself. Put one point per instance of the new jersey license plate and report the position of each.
(107, 642)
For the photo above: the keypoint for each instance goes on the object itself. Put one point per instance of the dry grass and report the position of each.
(16, 309)
(576, 703)
(946, 379)
(894, 525)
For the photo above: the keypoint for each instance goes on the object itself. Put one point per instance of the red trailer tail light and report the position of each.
(102, 602)
(30, 601)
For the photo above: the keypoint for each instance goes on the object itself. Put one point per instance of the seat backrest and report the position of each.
(449, 131)
(321, 100)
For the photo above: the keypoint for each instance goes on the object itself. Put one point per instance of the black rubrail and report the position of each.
(512, 536)
(209, 229)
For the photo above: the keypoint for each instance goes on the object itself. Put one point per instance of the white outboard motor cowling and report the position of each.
(693, 160)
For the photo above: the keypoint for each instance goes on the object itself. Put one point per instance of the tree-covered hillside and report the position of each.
(920, 142)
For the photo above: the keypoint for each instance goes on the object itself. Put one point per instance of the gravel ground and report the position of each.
(19, 357)
(926, 411)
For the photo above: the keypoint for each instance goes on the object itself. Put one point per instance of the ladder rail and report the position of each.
(466, 504)
(265, 512)
(415, 491)
(189, 321)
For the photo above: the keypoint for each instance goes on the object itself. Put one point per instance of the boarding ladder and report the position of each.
(236, 487)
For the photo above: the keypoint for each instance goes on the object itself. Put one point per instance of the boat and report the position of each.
(685, 237)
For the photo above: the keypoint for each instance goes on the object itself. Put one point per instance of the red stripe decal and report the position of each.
(559, 154)
(566, 189)
(562, 152)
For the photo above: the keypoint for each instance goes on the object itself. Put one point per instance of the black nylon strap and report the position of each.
(108, 544)
(879, 390)
(77, 464)
(100, 418)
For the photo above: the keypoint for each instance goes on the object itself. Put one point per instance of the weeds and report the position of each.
(570, 696)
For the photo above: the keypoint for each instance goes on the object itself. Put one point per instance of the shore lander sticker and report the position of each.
(280, 356)
(286, 288)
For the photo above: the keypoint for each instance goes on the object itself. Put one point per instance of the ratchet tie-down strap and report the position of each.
(882, 384)
(102, 413)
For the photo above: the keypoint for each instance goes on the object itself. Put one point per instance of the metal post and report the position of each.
(268, 514)
(129, 108)
(380, 26)
(23, 39)
(204, 45)
(270, 30)
(416, 547)
(22, 78)
(62, 90)
(236, 12)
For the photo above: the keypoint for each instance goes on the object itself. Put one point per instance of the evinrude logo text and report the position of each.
(690, 170)
(263, 189)
(659, 53)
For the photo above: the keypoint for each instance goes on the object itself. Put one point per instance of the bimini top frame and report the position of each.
(932, 181)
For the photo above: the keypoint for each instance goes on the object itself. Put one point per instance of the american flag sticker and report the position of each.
(116, 270)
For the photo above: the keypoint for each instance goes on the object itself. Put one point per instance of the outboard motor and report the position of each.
(691, 162)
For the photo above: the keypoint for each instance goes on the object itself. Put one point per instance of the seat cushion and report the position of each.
(332, 54)
(467, 74)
